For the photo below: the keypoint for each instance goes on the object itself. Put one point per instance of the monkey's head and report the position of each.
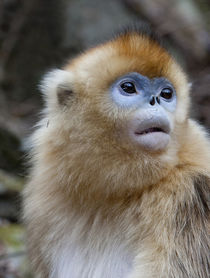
(125, 96)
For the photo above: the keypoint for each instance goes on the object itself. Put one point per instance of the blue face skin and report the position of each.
(149, 126)
(134, 90)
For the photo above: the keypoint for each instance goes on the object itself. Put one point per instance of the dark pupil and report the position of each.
(166, 93)
(128, 87)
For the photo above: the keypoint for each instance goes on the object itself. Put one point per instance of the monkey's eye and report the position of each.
(128, 87)
(166, 93)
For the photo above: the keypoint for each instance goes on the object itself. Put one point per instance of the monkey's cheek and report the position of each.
(154, 141)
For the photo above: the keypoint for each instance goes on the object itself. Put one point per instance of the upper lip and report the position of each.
(152, 125)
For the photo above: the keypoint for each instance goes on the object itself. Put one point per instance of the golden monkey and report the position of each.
(119, 185)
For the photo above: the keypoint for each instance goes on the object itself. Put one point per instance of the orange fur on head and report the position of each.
(130, 52)
(96, 205)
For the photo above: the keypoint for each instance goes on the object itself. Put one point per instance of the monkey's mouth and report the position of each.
(150, 130)
(153, 135)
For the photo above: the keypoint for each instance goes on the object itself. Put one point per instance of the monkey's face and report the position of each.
(152, 103)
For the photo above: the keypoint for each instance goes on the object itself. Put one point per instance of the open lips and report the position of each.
(152, 134)
(150, 130)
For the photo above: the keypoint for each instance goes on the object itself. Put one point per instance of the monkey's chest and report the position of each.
(111, 261)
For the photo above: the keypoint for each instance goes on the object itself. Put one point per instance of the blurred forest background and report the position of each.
(38, 35)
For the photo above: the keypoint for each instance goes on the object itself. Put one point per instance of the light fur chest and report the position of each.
(75, 261)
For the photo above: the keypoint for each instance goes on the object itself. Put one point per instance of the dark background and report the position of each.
(38, 35)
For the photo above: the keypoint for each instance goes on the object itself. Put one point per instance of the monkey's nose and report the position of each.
(153, 100)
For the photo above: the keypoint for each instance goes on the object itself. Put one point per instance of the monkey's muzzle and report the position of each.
(151, 133)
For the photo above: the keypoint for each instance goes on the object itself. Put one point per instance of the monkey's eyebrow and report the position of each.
(162, 81)
(134, 76)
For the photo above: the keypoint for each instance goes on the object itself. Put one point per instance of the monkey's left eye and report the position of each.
(166, 93)
(128, 87)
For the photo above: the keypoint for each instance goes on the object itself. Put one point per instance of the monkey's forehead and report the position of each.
(130, 52)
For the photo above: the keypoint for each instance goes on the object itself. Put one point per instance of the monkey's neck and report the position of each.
(104, 175)
(90, 169)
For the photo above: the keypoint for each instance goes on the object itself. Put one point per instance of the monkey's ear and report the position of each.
(57, 87)
(63, 94)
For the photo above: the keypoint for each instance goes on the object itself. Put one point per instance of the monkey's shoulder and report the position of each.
(201, 186)
(194, 152)
(191, 228)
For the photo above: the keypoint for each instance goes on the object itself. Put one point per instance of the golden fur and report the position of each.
(87, 188)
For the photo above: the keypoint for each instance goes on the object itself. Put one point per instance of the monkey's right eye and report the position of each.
(128, 87)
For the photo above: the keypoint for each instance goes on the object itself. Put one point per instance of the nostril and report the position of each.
(158, 100)
(152, 100)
